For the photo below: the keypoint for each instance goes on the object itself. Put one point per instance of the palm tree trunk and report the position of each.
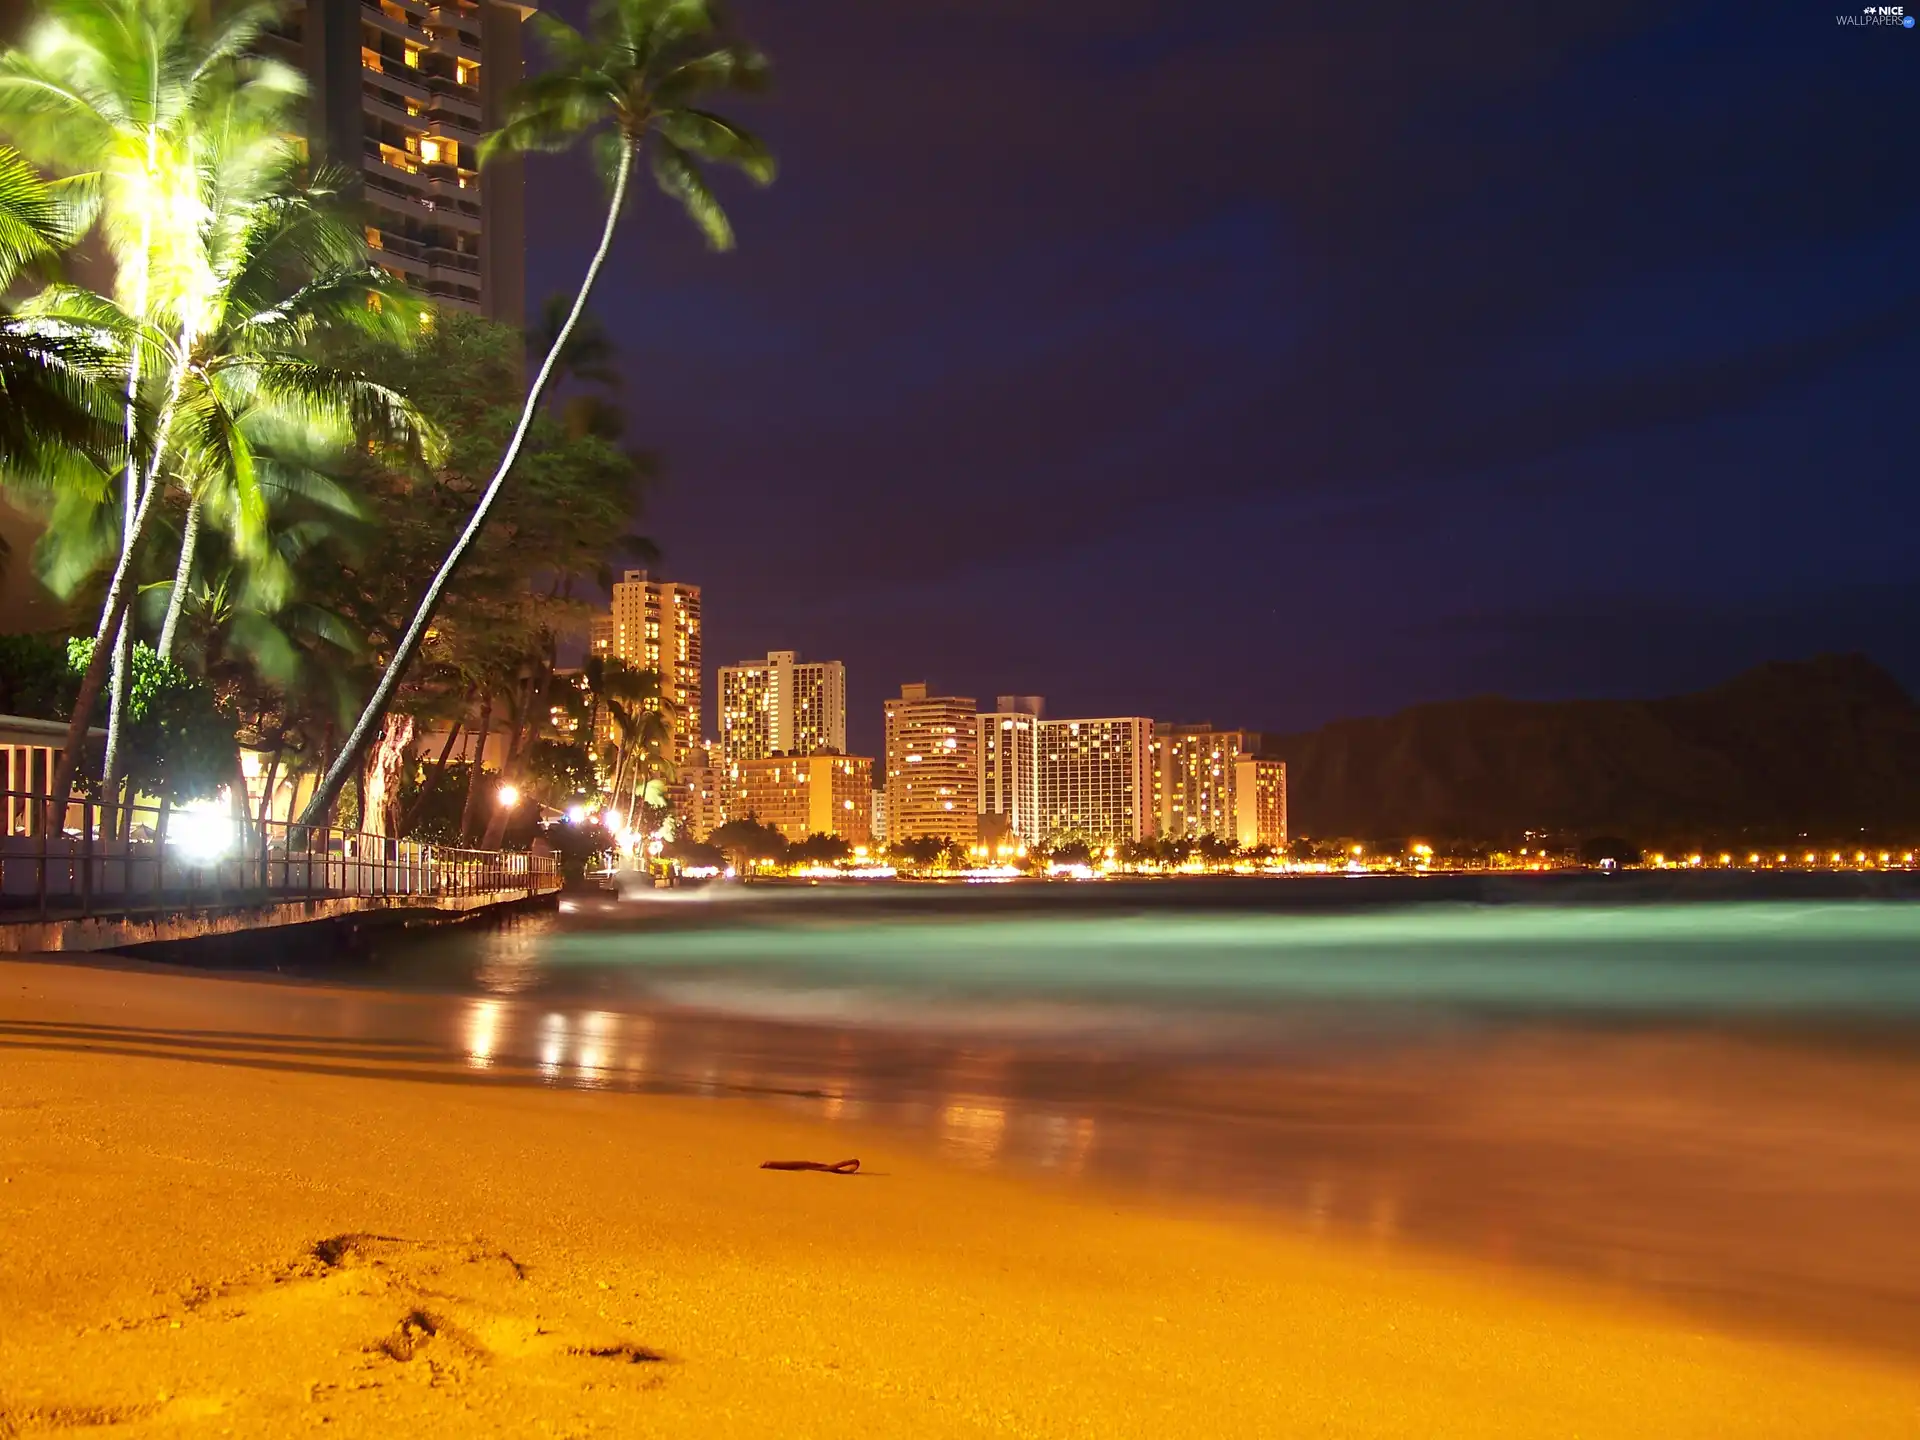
(116, 709)
(131, 497)
(182, 576)
(113, 614)
(382, 696)
(472, 807)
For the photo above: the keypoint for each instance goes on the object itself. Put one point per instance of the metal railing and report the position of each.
(148, 858)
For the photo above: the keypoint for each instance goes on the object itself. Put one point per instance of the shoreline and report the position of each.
(171, 1214)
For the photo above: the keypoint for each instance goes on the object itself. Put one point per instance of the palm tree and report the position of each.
(642, 77)
(51, 405)
(127, 94)
(258, 412)
(250, 415)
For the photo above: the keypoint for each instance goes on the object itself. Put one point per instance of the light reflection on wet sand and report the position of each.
(1758, 1178)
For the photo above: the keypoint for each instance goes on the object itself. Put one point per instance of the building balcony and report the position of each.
(446, 38)
(412, 16)
(393, 189)
(452, 124)
(443, 259)
(381, 19)
(376, 102)
(463, 99)
(399, 76)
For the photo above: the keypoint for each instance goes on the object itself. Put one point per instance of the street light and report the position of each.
(508, 795)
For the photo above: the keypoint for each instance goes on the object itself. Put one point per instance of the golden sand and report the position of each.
(202, 1233)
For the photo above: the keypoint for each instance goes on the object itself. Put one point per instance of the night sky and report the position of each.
(1265, 363)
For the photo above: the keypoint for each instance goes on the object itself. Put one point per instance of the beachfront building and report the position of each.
(802, 795)
(1220, 783)
(782, 706)
(1008, 796)
(932, 760)
(879, 826)
(1094, 780)
(699, 794)
(655, 625)
(1195, 779)
(1260, 802)
(400, 92)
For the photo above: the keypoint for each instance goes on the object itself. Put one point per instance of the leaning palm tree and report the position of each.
(639, 83)
(124, 95)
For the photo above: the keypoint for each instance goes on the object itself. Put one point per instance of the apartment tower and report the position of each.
(1094, 780)
(1221, 783)
(1193, 779)
(802, 795)
(400, 93)
(655, 625)
(933, 767)
(1260, 802)
(782, 706)
(1009, 746)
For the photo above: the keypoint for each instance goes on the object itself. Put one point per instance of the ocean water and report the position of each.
(1163, 965)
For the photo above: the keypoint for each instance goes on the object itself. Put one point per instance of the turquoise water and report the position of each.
(1849, 958)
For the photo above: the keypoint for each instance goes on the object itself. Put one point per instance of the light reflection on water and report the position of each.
(1716, 1103)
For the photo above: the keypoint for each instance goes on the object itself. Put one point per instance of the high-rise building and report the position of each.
(1221, 783)
(1193, 779)
(655, 625)
(880, 814)
(933, 769)
(699, 794)
(1009, 746)
(782, 706)
(1260, 801)
(1094, 779)
(400, 93)
(802, 795)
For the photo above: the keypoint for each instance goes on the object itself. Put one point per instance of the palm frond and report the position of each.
(678, 176)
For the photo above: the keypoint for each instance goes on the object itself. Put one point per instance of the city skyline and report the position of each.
(945, 767)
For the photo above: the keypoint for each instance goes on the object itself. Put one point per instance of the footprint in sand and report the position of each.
(360, 1328)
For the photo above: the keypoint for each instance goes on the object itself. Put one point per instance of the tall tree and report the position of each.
(134, 98)
(643, 76)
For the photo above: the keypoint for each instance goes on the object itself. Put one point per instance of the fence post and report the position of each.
(40, 881)
(86, 857)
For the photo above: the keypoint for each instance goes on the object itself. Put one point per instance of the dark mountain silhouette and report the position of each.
(1826, 746)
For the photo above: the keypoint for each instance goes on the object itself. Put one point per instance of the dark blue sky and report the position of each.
(1268, 363)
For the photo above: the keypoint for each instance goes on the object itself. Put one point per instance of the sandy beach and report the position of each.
(251, 1230)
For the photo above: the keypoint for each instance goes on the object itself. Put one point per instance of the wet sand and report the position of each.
(257, 1208)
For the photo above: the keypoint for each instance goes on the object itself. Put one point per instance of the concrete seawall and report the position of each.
(117, 932)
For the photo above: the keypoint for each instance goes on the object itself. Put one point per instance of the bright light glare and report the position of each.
(576, 813)
(203, 829)
(508, 795)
